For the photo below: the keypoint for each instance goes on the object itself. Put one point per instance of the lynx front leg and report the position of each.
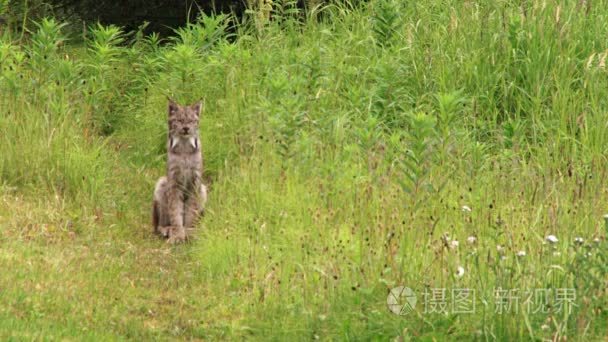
(194, 207)
(190, 212)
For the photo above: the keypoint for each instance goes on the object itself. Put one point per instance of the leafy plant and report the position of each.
(204, 33)
(101, 89)
(386, 21)
(415, 152)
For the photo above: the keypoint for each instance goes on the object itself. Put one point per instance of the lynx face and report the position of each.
(183, 125)
(183, 120)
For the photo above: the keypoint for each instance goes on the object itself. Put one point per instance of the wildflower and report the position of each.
(521, 254)
(500, 249)
(596, 240)
(466, 209)
(454, 244)
(556, 253)
(471, 240)
(459, 272)
(551, 239)
(578, 240)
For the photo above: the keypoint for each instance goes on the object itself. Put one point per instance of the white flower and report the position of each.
(454, 244)
(466, 209)
(596, 240)
(557, 254)
(500, 249)
(606, 217)
(551, 239)
(521, 253)
(471, 240)
(459, 272)
(544, 327)
(503, 257)
(578, 240)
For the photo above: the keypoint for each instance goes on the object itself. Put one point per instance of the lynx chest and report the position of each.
(184, 164)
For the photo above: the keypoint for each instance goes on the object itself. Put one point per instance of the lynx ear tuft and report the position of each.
(173, 107)
(197, 108)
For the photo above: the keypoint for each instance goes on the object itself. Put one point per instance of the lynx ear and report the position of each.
(197, 108)
(173, 107)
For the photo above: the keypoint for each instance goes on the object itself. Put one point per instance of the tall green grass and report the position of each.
(347, 148)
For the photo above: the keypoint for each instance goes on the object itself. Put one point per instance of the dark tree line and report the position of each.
(161, 15)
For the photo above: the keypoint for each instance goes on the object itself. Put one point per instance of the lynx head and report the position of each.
(183, 120)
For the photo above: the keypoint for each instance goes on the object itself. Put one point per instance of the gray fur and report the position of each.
(179, 197)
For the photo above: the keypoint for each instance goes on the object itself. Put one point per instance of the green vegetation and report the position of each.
(346, 153)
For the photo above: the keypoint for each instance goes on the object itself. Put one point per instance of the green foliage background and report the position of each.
(343, 145)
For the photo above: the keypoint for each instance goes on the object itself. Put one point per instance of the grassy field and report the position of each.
(457, 148)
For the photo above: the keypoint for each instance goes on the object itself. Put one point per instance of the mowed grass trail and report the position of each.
(455, 148)
(68, 276)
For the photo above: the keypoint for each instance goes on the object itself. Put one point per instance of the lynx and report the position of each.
(180, 196)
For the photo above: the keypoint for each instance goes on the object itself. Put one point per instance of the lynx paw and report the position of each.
(176, 235)
(164, 231)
